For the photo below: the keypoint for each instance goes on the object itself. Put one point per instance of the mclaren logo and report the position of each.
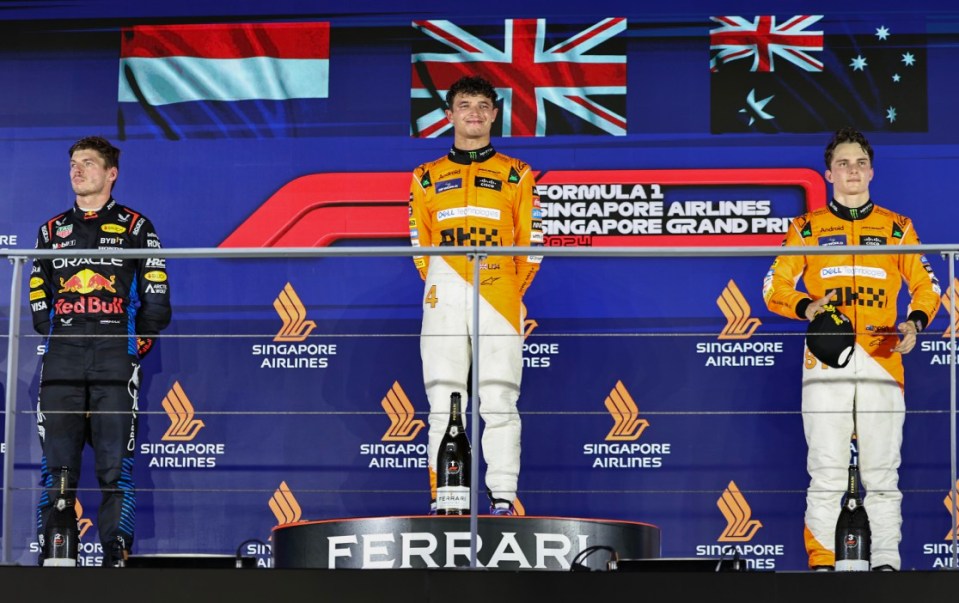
(740, 527)
(293, 314)
(739, 325)
(183, 427)
(403, 427)
(284, 506)
(627, 426)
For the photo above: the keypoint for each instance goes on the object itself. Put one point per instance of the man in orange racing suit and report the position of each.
(865, 288)
(475, 196)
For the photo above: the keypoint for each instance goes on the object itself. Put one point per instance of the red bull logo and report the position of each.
(90, 305)
(87, 281)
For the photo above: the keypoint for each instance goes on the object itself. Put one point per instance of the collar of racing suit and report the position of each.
(88, 214)
(851, 213)
(468, 157)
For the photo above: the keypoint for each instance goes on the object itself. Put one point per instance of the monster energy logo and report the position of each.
(473, 154)
(854, 213)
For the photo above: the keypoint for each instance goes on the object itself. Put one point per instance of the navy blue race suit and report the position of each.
(100, 315)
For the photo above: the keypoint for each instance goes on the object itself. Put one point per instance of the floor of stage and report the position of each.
(463, 586)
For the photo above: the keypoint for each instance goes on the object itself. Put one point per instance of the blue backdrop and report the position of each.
(290, 430)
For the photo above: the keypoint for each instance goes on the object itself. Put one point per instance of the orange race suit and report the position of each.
(867, 287)
(485, 199)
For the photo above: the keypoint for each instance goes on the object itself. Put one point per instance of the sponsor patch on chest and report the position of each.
(872, 240)
(449, 185)
(832, 241)
(488, 183)
(472, 212)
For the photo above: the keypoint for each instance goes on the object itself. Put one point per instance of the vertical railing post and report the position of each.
(474, 412)
(951, 257)
(13, 356)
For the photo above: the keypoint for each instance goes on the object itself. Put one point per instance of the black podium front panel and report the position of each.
(510, 543)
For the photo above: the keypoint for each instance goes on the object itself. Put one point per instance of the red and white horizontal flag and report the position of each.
(224, 62)
(223, 80)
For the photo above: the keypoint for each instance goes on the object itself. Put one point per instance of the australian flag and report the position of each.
(806, 74)
(552, 78)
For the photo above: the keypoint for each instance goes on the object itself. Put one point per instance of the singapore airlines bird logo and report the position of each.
(627, 426)
(948, 502)
(284, 505)
(740, 527)
(403, 427)
(736, 309)
(83, 523)
(293, 313)
(183, 427)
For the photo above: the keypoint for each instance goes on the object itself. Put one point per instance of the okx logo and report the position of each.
(740, 526)
(620, 450)
(178, 450)
(739, 324)
(284, 505)
(626, 422)
(183, 427)
(403, 427)
(396, 449)
(291, 310)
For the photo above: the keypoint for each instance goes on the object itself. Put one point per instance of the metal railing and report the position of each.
(19, 258)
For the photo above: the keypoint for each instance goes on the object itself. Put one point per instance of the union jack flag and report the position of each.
(762, 39)
(544, 76)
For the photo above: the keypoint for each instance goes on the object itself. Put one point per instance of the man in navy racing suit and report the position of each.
(100, 315)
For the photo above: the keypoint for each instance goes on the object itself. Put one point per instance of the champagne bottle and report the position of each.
(853, 536)
(453, 465)
(60, 535)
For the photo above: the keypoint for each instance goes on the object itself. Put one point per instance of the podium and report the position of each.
(443, 542)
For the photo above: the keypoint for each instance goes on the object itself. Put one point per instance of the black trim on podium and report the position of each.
(195, 561)
(466, 586)
(436, 542)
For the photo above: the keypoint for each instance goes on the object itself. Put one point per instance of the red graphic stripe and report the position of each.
(228, 41)
(320, 209)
